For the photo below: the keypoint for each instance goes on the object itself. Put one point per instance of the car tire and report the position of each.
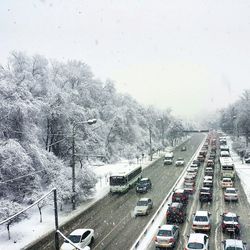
(92, 240)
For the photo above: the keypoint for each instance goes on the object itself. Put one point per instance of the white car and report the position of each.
(201, 221)
(81, 238)
(227, 183)
(234, 244)
(167, 236)
(143, 206)
(198, 241)
(180, 162)
(230, 194)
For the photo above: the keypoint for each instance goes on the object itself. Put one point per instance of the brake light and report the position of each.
(171, 240)
(155, 238)
(223, 225)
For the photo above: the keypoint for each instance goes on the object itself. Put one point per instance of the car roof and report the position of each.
(227, 179)
(179, 190)
(145, 179)
(201, 213)
(230, 189)
(197, 237)
(175, 204)
(79, 231)
(229, 214)
(234, 243)
(207, 188)
(166, 227)
(144, 199)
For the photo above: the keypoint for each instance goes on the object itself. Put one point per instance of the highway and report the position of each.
(112, 218)
(216, 208)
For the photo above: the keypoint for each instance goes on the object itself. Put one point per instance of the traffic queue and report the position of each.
(212, 151)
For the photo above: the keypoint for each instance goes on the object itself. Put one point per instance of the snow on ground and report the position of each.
(242, 169)
(30, 229)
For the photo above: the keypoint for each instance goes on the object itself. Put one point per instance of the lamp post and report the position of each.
(90, 122)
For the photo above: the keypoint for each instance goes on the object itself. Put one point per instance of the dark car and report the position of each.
(143, 185)
(230, 223)
(205, 194)
(176, 213)
(196, 162)
(179, 195)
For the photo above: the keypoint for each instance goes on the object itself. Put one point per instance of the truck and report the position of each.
(168, 158)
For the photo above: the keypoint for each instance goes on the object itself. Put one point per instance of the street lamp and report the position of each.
(89, 122)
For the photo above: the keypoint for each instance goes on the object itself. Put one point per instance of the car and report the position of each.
(197, 241)
(143, 185)
(192, 171)
(180, 162)
(183, 148)
(80, 237)
(230, 194)
(189, 187)
(208, 182)
(179, 195)
(189, 178)
(143, 206)
(205, 194)
(201, 158)
(196, 162)
(209, 171)
(176, 213)
(194, 167)
(201, 221)
(167, 236)
(210, 163)
(247, 160)
(230, 223)
(227, 183)
(232, 244)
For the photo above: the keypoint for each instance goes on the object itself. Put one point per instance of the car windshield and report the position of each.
(231, 191)
(201, 218)
(143, 182)
(74, 238)
(234, 248)
(142, 203)
(229, 218)
(195, 245)
(226, 180)
(180, 159)
(164, 233)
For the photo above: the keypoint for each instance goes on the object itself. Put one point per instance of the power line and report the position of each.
(20, 177)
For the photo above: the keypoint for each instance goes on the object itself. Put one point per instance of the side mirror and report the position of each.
(223, 242)
(244, 243)
(187, 236)
(209, 214)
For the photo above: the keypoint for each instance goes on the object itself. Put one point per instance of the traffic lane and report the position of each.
(115, 212)
(162, 183)
(192, 206)
(241, 208)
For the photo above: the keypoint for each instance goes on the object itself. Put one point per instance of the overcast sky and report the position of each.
(192, 56)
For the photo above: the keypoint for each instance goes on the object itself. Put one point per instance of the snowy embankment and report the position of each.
(242, 169)
(30, 229)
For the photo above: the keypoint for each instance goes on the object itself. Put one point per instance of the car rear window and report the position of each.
(195, 245)
(234, 248)
(164, 233)
(201, 218)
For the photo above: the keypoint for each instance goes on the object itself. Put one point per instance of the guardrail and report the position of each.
(156, 214)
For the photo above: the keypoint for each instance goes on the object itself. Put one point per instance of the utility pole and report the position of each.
(56, 221)
(73, 169)
(90, 122)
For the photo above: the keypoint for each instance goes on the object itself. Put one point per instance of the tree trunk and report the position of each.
(40, 212)
(8, 228)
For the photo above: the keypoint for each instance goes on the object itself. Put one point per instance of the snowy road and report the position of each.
(112, 217)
